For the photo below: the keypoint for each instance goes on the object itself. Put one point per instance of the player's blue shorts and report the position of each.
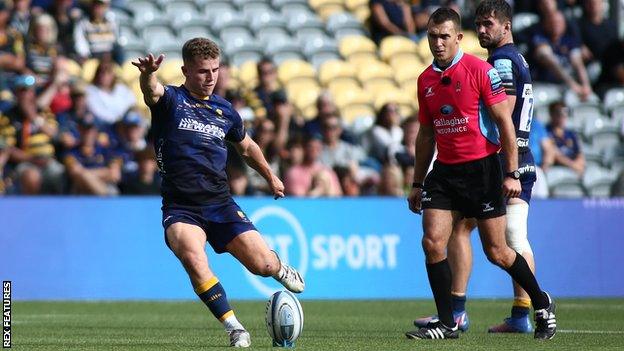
(528, 176)
(221, 222)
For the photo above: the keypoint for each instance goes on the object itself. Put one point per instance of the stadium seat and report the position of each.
(265, 35)
(597, 181)
(265, 19)
(376, 87)
(470, 44)
(359, 8)
(375, 71)
(523, 20)
(88, 69)
(564, 182)
(319, 47)
(170, 70)
(281, 51)
(423, 51)
(156, 32)
(145, 13)
(593, 156)
(395, 95)
(230, 34)
(248, 74)
(251, 7)
(319, 58)
(584, 113)
(602, 132)
(336, 70)
(351, 113)
(409, 71)
(131, 42)
(194, 31)
(295, 69)
(213, 8)
(297, 86)
(614, 98)
(342, 24)
(614, 158)
(73, 68)
(338, 86)
(396, 46)
(129, 72)
(226, 20)
(351, 47)
(285, 4)
(572, 100)
(545, 93)
(122, 17)
(326, 8)
(305, 98)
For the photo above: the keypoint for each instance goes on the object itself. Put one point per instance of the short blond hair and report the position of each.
(200, 47)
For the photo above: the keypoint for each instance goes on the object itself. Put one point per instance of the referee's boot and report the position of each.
(545, 321)
(461, 318)
(434, 331)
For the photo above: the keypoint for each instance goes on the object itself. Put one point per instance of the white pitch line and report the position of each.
(574, 331)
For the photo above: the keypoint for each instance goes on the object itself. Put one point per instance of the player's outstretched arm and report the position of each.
(500, 112)
(425, 143)
(151, 88)
(255, 159)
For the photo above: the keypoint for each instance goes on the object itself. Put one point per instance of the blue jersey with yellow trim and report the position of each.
(514, 72)
(189, 139)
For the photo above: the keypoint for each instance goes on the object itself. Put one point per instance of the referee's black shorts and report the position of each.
(473, 188)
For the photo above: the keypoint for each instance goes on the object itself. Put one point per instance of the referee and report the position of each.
(462, 102)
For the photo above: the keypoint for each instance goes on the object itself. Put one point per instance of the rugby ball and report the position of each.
(284, 318)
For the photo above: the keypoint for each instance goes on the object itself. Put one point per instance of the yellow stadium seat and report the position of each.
(376, 87)
(326, 8)
(338, 86)
(356, 96)
(401, 98)
(73, 68)
(304, 99)
(362, 13)
(248, 75)
(129, 72)
(405, 73)
(470, 44)
(351, 113)
(396, 45)
(309, 112)
(353, 45)
(295, 69)
(88, 69)
(171, 71)
(401, 61)
(336, 69)
(375, 71)
(295, 86)
(354, 4)
(424, 51)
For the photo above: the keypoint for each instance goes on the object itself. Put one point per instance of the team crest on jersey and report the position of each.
(457, 87)
(429, 91)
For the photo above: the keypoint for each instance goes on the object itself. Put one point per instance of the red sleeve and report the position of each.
(492, 89)
(423, 116)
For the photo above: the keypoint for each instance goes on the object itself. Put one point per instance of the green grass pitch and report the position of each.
(584, 324)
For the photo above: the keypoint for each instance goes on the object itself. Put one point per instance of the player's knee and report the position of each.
(433, 246)
(191, 260)
(265, 266)
(497, 255)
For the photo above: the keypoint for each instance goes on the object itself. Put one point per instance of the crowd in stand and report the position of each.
(60, 134)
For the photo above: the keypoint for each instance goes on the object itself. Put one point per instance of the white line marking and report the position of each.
(574, 331)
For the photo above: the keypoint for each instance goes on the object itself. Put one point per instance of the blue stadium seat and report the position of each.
(545, 93)
(572, 100)
(289, 4)
(614, 158)
(303, 20)
(235, 33)
(597, 181)
(242, 49)
(614, 98)
(523, 20)
(251, 7)
(193, 31)
(602, 132)
(222, 13)
(283, 49)
(156, 32)
(265, 19)
(188, 19)
(265, 35)
(342, 24)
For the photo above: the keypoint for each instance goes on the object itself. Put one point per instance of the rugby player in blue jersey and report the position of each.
(191, 126)
(493, 25)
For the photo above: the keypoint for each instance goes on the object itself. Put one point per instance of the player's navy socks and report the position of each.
(520, 308)
(521, 273)
(440, 280)
(459, 303)
(213, 295)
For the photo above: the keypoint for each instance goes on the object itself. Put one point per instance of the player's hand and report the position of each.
(148, 64)
(277, 187)
(511, 187)
(414, 200)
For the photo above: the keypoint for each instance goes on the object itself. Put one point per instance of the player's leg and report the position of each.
(188, 243)
(460, 260)
(253, 252)
(517, 239)
(437, 228)
(492, 235)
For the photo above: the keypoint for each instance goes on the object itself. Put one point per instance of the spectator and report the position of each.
(147, 180)
(66, 17)
(326, 108)
(265, 136)
(12, 58)
(385, 134)
(597, 32)
(97, 36)
(543, 150)
(391, 181)
(287, 122)
(612, 67)
(92, 169)
(240, 105)
(127, 139)
(559, 58)
(108, 99)
(42, 49)
(7, 142)
(568, 149)
(391, 17)
(267, 84)
(20, 17)
(38, 170)
(56, 95)
(69, 135)
(311, 177)
(348, 183)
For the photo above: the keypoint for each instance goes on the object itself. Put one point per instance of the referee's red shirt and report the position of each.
(454, 102)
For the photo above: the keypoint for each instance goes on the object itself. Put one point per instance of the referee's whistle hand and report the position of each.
(414, 198)
(511, 187)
